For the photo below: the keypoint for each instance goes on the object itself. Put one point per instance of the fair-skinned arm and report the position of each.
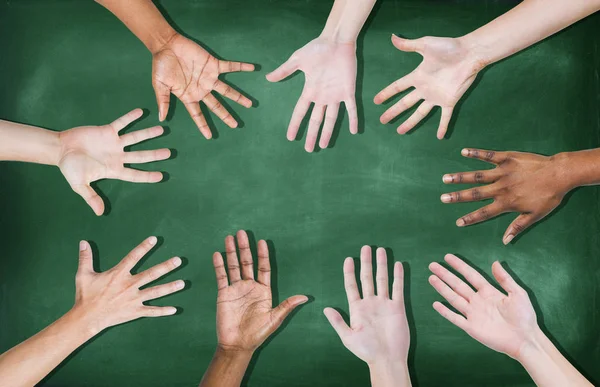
(530, 184)
(506, 323)
(85, 154)
(102, 300)
(378, 333)
(329, 66)
(180, 66)
(245, 313)
(450, 65)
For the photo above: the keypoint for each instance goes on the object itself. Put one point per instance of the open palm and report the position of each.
(188, 71)
(245, 313)
(91, 153)
(330, 71)
(444, 75)
(502, 322)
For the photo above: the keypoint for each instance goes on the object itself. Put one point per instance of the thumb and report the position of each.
(518, 226)
(283, 71)
(163, 96)
(286, 307)
(337, 322)
(91, 198)
(406, 45)
(85, 258)
(504, 279)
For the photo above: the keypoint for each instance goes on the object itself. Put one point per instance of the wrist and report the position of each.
(567, 171)
(161, 39)
(387, 372)
(533, 348)
(81, 323)
(475, 55)
(233, 355)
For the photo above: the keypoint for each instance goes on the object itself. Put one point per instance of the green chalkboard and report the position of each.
(67, 63)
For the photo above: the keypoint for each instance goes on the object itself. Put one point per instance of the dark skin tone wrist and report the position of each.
(530, 184)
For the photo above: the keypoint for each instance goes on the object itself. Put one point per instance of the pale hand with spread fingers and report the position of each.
(530, 184)
(188, 71)
(91, 153)
(448, 69)
(330, 79)
(378, 333)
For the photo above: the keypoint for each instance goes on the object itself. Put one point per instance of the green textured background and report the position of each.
(69, 63)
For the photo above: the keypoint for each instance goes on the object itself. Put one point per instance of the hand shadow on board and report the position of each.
(275, 296)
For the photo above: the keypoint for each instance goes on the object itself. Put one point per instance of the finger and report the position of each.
(123, 121)
(366, 271)
(161, 290)
(314, 125)
(135, 176)
(505, 280)
(163, 97)
(518, 226)
(216, 107)
(469, 195)
(233, 266)
(157, 271)
(245, 255)
(350, 281)
(279, 313)
(382, 273)
(227, 91)
(158, 311)
(392, 89)
(405, 103)
(141, 135)
(421, 112)
(476, 177)
(450, 295)
(231, 67)
(444, 122)
(220, 272)
(86, 261)
(461, 288)
(285, 70)
(488, 156)
(148, 156)
(137, 253)
(449, 315)
(337, 322)
(264, 266)
(193, 109)
(398, 284)
(481, 215)
(91, 197)
(407, 45)
(330, 118)
(297, 116)
(470, 274)
(352, 115)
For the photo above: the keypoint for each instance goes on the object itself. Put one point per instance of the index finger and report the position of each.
(392, 89)
(470, 274)
(137, 253)
(123, 121)
(488, 156)
(230, 67)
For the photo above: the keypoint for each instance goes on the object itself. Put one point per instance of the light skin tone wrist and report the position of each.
(387, 372)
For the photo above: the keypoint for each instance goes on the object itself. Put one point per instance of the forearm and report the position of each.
(144, 20)
(547, 366)
(29, 362)
(389, 374)
(346, 19)
(28, 143)
(526, 24)
(226, 369)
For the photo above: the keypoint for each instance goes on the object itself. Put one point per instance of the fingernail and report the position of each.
(180, 284)
(445, 198)
(507, 239)
(464, 152)
(172, 310)
(176, 261)
(82, 246)
(447, 179)
(460, 222)
(152, 240)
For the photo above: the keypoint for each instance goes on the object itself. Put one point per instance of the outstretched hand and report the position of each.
(330, 71)
(188, 71)
(90, 153)
(245, 313)
(444, 75)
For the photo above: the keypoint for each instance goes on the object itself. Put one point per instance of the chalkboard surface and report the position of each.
(69, 63)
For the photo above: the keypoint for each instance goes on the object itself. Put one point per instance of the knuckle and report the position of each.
(489, 155)
(478, 177)
(518, 227)
(476, 194)
(460, 178)
(484, 214)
